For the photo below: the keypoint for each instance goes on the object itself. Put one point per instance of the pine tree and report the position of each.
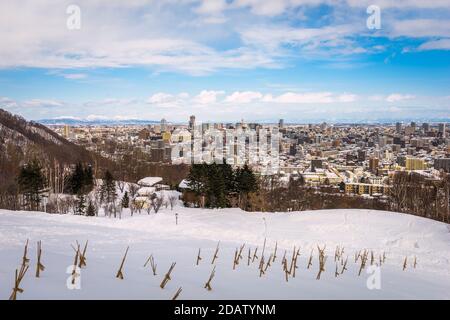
(91, 211)
(125, 200)
(32, 184)
(245, 183)
(88, 179)
(81, 180)
(81, 204)
(246, 180)
(108, 190)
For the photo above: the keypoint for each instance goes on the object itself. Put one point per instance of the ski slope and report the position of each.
(399, 236)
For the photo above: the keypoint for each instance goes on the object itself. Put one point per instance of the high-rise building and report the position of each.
(362, 155)
(413, 126)
(415, 164)
(66, 131)
(373, 164)
(442, 164)
(316, 164)
(442, 129)
(281, 123)
(425, 127)
(398, 127)
(191, 122)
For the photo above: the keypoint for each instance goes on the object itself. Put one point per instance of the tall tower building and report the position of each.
(373, 165)
(66, 131)
(281, 123)
(442, 129)
(191, 122)
(413, 126)
(426, 127)
(398, 127)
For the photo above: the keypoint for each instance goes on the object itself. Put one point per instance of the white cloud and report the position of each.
(310, 97)
(211, 6)
(208, 96)
(442, 44)
(38, 103)
(161, 97)
(419, 28)
(6, 102)
(161, 34)
(75, 76)
(346, 97)
(395, 97)
(243, 96)
(385, 4)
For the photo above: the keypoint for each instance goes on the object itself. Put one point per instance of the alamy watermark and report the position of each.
(373, 22)
(73, 282)
(73, 21)
(235, 146)
(374, 280)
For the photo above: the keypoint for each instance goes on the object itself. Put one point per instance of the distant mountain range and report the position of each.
(118, 122)
(94, 122)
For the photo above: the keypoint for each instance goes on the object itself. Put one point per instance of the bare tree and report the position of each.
(172, 200)
(157, 203)
(121, 185)
(132, 189)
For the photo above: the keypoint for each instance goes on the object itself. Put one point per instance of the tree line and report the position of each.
(219, 185)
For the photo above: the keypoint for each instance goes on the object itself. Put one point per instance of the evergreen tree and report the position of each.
(81, 204)
(216, 187)
(81, 180)
(32, 184)
(245, 183)
(108, 189)
(91, 211)
(88, 179)
(246, 180)
(125, 200)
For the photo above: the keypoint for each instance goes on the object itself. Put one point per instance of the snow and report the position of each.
(149, 181)
(146, 191)
(184, 184)
(399, 235)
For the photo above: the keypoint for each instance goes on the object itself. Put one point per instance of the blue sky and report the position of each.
(260, 60)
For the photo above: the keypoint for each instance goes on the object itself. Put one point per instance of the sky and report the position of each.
(226, 60)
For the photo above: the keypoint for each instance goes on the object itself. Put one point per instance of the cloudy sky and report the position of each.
(224, 60)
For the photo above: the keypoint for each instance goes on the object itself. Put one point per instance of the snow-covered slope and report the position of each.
(398, 235)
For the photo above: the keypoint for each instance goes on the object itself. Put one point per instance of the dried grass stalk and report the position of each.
(216, 253)
(167, 276)
(275, 252)
(151, 259)
(177, 293)
(310, 259)
(199, 258)
(322, 261)
(211, 276)
(39, 266)
(25, 260)
(255, 255)
(18, 278)
(119, 272)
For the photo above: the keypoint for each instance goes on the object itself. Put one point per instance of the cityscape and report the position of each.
(224, 158)
(357, 159)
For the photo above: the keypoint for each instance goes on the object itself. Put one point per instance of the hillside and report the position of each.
(398, 236)
(22, 140)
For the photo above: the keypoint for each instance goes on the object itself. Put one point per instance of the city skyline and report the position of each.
(304, 61)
